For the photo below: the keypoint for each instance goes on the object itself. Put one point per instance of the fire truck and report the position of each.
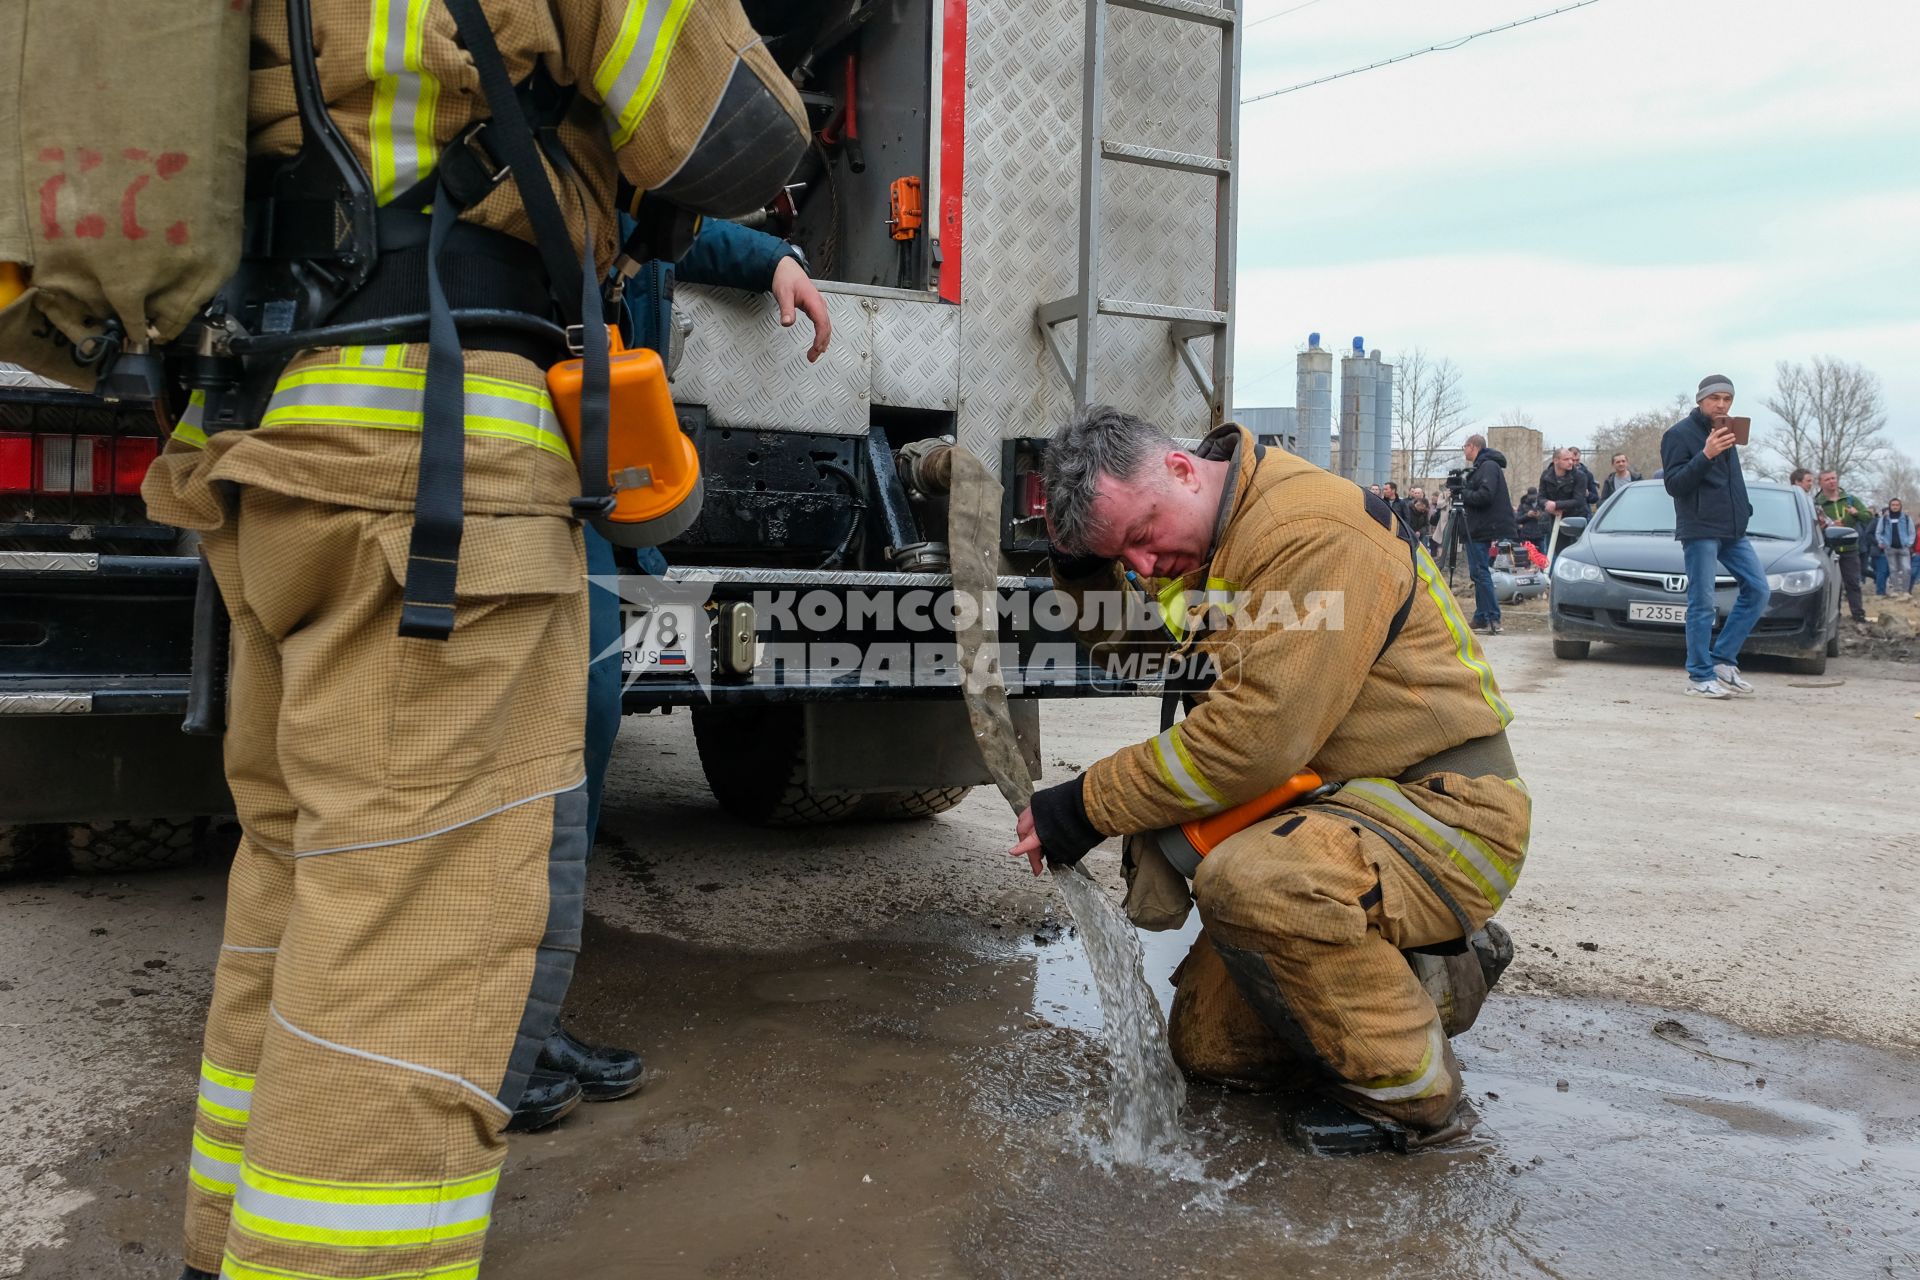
(1013, 208)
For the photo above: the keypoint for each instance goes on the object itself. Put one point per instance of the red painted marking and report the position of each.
(89, 159)
(129, 220)
(177, 234)
(953, 145)
(136, 155)
(170, 163)
(52, 155)
(50, 204)
(91, 227)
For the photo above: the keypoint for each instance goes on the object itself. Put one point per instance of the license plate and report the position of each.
(659, 639)
(1640, 611)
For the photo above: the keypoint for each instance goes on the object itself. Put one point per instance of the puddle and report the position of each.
(928, 1106)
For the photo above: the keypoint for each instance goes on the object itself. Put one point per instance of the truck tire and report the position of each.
(1814, 666)
(1572, 648)
(904, 806)
(755, 759)
(27, 849)
(145, 844)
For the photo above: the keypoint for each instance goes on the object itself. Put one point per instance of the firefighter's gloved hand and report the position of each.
(1055, 829)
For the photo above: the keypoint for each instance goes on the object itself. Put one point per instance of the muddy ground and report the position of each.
(872, 1051)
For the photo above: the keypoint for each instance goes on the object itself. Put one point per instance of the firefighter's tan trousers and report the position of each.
(405, 904)
(1298, 979)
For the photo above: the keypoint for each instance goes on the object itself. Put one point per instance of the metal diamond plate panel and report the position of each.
(750, 372)
(916, 353)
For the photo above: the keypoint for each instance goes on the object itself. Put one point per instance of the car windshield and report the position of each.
(1647, 508)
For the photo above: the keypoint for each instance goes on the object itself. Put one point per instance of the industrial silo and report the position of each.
(1313, 402)
(1357, 409)
(1382, 420)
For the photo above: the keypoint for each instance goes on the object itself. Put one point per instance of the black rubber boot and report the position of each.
(1326, 1128)
(195, 1273)
(604, 1073)
(549, 1097)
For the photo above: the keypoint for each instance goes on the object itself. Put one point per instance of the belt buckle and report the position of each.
(473, 143)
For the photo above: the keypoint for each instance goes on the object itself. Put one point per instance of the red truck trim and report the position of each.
(953, 145)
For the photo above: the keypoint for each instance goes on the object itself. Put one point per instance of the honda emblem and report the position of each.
(1674, 582)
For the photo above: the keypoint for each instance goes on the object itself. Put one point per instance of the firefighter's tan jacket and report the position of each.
(400, 86)
(1309, 584)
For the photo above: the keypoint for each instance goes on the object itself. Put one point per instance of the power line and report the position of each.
(1283, 13)
(1432, 48)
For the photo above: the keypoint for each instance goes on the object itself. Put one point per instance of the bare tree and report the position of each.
(1899, 477)
(1638, 437)
(1429, 410)
(1832, 417)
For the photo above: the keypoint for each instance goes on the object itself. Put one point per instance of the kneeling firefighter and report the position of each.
(1346, 934)
(387, 452)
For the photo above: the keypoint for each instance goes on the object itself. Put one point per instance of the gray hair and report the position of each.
(1101, 442)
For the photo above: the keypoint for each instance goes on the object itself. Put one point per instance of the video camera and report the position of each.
(1457, 479)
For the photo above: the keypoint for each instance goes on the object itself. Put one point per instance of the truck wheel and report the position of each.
(145, 844)
(1572, 648)
(28, 849)
(902, 806)
(1814, 666)
(755, 760)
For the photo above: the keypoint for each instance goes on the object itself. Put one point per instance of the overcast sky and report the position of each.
(1589, 213)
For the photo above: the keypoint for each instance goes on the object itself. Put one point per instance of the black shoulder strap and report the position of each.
(1383, 515)
(433, 551)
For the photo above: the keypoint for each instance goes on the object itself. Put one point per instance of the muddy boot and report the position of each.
(549, 1096)
(604, 1073)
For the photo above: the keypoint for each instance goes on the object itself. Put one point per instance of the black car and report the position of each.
(1626, 579)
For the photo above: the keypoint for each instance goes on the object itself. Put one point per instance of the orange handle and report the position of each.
(1205, 833)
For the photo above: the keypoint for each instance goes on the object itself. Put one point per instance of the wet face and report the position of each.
(1717, 403)
(1158, 524)
(1830, 484)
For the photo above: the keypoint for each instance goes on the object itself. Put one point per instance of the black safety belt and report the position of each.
(433, 552)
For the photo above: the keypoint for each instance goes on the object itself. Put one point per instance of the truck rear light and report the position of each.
(132, 455)
(16, 462)
(1033, 494)
(73, 464)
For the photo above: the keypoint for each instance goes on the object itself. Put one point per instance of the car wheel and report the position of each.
(1833, 645)
(1814, 666)
(1572, 648)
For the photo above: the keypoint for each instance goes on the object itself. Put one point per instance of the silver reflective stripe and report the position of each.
(373, 357)
(334, 1215)
(223, 1095)
(1421, 1085)
(224, 1172)
(1175, 770)
(1461, 844)
(627, 84)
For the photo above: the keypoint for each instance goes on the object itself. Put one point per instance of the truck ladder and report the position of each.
(1185, 324)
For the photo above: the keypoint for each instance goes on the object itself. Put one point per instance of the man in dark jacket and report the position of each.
(1489, 513)
(1701, 469)
(1621, 475)
(1565, 485)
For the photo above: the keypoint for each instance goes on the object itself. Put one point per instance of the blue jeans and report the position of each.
(1486, 605)
(1880, 572)
(1703, 647)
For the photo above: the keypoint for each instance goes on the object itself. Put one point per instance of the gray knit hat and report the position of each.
(1711, 384)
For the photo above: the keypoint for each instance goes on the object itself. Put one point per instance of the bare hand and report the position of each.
(1552, 506)
(794, 290)
(1029, 844)
(1719, 442)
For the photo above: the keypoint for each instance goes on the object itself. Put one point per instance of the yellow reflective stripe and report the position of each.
(629, 77)
(390, 399)
(231, 1268)
(1463, 643)
(1180, 775)
(226, 1096)
(191, 429)
(1423, 1081)
(221, 1075)
(214, 1166)
(1475, 858)
(400, 130)
(359, 1215)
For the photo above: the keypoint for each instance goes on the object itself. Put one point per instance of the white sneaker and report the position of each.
(1731, 678)
(1707, 689)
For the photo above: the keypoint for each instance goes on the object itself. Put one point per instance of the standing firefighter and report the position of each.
(405, 904)
(1335, 647)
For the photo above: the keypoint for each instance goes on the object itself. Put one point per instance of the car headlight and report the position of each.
(1567, 569)
(1797, 583)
